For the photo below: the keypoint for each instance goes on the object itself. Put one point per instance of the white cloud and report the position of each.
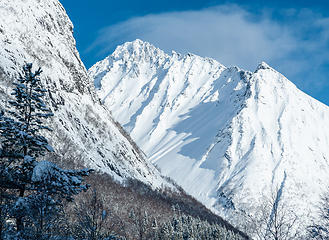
(296, 43)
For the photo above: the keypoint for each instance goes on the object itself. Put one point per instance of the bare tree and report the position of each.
(320, 228)
(274, 218)
(95, 221)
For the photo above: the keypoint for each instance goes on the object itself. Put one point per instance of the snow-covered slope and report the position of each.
(226, 135)
(40, 32)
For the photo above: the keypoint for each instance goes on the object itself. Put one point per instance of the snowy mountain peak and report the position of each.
(263, 66)
(137, 50)
(226, 135)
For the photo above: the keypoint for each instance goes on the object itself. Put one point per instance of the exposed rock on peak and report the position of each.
(263, 66)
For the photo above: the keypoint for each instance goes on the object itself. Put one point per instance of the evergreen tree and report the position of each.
(25, 184)
(21, 141)
(140, 223)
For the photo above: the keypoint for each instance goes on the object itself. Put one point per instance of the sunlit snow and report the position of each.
(219, 132)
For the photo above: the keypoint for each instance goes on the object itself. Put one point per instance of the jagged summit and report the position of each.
(226, 135)
(264, 66)
(137, 49)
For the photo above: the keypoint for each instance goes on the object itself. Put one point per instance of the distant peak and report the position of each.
(175, 54)
(136, 44)
(138, 41)
(263, 66)
(136, 50)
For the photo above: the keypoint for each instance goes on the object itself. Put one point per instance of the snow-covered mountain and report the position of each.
(40, 32)
(226, 135)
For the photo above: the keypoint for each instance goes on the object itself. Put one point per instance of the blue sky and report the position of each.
(292, 36)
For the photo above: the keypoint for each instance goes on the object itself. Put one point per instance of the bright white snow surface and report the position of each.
(40, 32)
(222, 133)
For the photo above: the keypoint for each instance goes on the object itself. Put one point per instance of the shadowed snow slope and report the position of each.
(40, 32)
(226, 135)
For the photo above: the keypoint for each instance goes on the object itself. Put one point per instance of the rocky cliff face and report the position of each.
(226, 135)
(40, 32)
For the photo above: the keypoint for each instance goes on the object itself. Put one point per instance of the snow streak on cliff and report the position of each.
(226, 135)
(40, 32)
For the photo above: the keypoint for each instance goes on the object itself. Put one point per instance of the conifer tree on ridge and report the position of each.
(21, 145)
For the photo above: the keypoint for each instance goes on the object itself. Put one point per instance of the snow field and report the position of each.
(218, 130)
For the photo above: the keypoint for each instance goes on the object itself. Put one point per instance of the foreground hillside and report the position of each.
(228, 136)
(41, 33)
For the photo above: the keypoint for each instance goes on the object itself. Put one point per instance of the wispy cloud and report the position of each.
(295, 42)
